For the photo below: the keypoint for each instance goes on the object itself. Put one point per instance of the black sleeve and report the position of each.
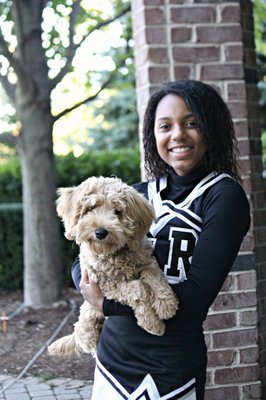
(225, 222)
(110, 307)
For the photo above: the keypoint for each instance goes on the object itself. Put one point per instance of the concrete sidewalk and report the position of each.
(31, 388)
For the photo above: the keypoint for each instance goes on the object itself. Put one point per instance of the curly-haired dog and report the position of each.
(109, 220)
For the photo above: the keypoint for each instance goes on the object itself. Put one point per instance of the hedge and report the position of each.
(11, 246)
(71, 171)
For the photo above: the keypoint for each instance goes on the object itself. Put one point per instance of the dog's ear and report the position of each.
(66, 210)
(140, 211)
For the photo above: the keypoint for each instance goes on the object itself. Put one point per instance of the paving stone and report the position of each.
(31, 388)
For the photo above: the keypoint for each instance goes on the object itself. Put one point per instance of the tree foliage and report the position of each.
(259, 9)
(39, 47)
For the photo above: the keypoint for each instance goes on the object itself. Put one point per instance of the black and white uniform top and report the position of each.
(201, 219)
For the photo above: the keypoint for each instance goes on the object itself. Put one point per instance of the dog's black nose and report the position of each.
(101, 233)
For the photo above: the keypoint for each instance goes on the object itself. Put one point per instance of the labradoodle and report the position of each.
(109, 220)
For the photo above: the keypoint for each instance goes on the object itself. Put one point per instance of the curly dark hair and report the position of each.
(213, 120)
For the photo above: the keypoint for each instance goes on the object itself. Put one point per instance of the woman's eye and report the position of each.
(191, 124)
(164, 127)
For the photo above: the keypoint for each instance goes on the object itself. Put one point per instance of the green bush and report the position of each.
(71, 171)
(10, 181)
(124, 164)
(11, 246)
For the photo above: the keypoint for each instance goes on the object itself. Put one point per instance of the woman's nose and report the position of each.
(177, 132)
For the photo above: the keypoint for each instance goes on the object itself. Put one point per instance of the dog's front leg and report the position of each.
(165, 302)
(88, 328)
(138, 295)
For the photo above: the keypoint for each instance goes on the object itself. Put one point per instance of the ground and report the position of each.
(28, 332)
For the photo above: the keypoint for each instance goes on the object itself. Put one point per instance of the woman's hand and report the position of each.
(91, 291)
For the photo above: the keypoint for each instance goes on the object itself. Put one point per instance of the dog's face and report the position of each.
(105, 214)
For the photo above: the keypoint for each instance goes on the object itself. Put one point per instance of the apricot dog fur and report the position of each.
(109, 220)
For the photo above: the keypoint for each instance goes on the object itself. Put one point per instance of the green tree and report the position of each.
(36, 54)
(259, 8)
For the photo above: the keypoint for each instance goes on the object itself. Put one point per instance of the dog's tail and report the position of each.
(64, 346)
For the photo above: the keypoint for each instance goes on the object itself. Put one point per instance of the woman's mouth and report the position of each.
(180, 150)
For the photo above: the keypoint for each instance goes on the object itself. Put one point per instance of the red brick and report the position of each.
(218, 34)
(219, 72)
(255, 128)
(231, 301)
(250, 57)
(248, 243)
(246, 280)
(253, 93)
(249, 355)
(220, 321)
(222, 358)
(244, 147)
(258, 198)
(158, 55)
(221, 393)
(259, 218)
(153, 2)
(260, 234)
(155, 35)
(228, 284)
(176, 1)
(158, 74)
(154, 16)
(181, 34)
(252, 391)
(183, 72)
(196, 54)
(245, 166)
(193, 14)
(237, 375)
(238, 338)
(208, 377)
(230, 13)
(236, 90)
(241, 128)
(238, 109)
(233, 52)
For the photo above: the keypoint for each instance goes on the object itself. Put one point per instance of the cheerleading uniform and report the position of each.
(201, 220)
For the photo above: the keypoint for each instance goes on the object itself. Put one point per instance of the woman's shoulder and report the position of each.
(141, 187)
(228, 191)
(228, 183)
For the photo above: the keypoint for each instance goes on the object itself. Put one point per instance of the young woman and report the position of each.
(202, 215)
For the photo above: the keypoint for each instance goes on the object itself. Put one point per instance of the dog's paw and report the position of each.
(152, 325)
(157, 329)
(166, 308)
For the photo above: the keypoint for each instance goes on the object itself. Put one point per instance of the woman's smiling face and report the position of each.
(178, 140)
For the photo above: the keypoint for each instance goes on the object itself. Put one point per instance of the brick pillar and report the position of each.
(213, 41)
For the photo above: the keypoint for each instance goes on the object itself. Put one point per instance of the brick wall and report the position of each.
(213, 41)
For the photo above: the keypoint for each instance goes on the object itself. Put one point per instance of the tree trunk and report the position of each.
(42, 258)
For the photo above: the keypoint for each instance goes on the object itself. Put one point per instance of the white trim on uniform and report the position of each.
(107, 387)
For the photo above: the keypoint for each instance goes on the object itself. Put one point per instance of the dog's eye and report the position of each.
(117, 212)
(90, 208)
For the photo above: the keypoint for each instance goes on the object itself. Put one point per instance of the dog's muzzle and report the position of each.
(101, 233)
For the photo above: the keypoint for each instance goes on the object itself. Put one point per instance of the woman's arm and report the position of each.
(91, 290)
(226, 220)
